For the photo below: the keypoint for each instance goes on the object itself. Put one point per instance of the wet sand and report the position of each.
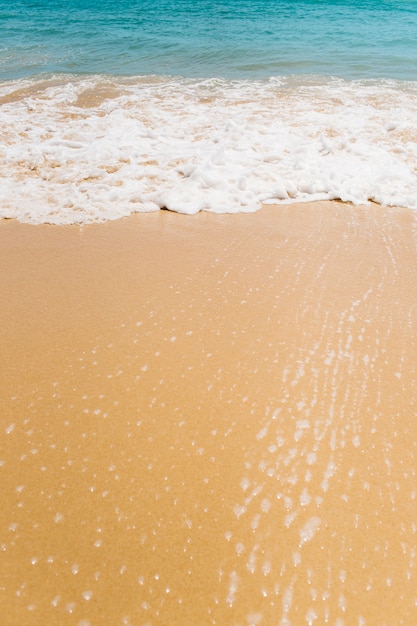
(210, 419)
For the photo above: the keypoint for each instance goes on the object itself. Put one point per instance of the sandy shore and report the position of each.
(210, 419)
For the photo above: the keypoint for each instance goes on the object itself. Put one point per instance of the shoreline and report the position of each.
(91, 150)
(209, 419)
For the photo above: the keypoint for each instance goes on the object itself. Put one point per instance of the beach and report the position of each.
(210, 419)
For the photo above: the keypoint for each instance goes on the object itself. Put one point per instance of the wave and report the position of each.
(91, 149)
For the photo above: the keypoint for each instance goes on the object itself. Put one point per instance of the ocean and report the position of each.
(110, 108)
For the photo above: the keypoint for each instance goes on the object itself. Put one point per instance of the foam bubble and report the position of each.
(309, 529)
(233, 585)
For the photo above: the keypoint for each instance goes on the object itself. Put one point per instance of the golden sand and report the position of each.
(210, 420)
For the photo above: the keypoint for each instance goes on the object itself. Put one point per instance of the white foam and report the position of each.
(262, 433)
(305, 497)
(233, 585)
(253, 619)
(221, 146)
(311, 616)
(239, 510)
(245, 483)
(311, 458)
(265, 505)
(87, 595)
(309, 529)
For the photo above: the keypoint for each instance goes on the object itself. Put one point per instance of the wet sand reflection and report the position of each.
(210, 420)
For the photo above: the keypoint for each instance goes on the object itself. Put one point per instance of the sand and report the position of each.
(210, 419)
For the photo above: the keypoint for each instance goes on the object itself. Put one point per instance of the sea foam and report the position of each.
(80, 150)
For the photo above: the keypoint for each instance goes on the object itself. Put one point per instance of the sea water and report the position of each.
(109, 108)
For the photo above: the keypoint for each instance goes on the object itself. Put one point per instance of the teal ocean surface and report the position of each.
(108, 108)
(210, 38)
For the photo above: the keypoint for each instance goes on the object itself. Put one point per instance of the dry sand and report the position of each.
(210, 420)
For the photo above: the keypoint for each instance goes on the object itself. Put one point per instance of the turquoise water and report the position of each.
(209, 38)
